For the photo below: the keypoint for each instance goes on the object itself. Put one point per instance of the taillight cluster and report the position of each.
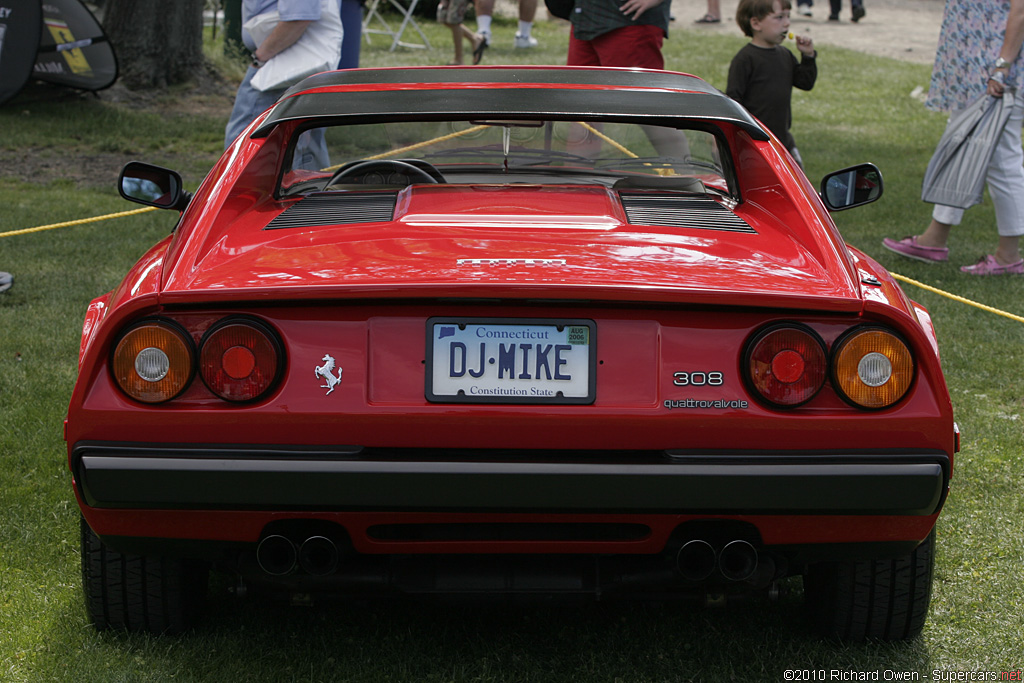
(239, 359)
(872, 368)
(787, 364)
(153, 361)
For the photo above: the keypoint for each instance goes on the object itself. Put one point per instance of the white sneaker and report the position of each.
(804, 11)
(525, 41)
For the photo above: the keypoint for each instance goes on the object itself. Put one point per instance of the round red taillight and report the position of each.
(786, 365)
(240, 360)
(153, 361)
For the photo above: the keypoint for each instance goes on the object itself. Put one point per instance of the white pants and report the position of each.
(1005, 177)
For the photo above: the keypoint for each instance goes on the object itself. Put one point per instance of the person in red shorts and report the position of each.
(606, 33)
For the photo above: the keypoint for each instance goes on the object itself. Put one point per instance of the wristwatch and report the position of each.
(1000, 64)
(257, 62)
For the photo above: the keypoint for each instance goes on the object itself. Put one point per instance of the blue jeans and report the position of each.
(311, 150)
(352, 22)
(249, 103)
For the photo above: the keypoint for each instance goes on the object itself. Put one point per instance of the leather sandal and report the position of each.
(478, 51)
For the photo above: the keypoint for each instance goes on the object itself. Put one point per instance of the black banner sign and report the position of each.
(57, 41)
(21, 26)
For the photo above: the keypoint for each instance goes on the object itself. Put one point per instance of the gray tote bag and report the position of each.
(956, 174)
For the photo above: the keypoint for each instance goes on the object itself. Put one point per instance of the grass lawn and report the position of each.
(861, 110)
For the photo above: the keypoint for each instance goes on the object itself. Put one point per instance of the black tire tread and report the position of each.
(873, 599)
(156, 595)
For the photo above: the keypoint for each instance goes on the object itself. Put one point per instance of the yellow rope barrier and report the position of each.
(80, 221)
(613, 143)
(427, 143)
(133, 212)
(413, 147)
(961, 299)
(617, 145)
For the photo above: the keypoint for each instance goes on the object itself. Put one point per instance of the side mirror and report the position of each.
(850, 187)
(152, 186)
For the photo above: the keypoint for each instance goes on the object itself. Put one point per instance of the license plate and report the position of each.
(472, 360)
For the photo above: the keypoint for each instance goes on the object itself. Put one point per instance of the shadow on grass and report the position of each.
(444, 640)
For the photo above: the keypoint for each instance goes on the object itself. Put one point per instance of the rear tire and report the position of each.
(863, 599)
(157, 595)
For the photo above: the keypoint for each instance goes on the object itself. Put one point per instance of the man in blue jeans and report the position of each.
(6, 280)
(295, 15)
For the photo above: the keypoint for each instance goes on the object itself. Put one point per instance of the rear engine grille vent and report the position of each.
(678, 211)
(337, 209)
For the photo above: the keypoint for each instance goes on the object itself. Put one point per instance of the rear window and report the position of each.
(532, 151)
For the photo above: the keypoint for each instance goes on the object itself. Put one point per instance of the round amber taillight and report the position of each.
(240, 360)
(786, 365)
(153, 361)
(872, 368)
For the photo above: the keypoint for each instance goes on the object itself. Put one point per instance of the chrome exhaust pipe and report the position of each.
(696, 560)
(737, 561)
(276, 555)
(318, 556)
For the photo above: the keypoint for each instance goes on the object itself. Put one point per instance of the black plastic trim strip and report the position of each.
(151, 476)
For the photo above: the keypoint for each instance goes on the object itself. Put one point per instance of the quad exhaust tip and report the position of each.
(318, 556)
(697, 560)
(276, 555)
(738, 561)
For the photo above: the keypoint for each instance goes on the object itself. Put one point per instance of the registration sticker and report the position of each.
(473, 360)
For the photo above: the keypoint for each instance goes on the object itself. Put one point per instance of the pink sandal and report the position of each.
(989, 266)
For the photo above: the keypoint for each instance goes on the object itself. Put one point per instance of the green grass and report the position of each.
(861, 110)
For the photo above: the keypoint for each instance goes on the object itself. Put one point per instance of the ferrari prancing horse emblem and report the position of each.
(327, 372)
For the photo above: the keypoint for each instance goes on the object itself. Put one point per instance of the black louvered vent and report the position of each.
(680, 211)
(337, 209)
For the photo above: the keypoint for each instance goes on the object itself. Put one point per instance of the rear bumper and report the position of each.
(159, 477)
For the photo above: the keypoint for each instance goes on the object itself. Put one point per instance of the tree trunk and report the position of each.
(158, 42)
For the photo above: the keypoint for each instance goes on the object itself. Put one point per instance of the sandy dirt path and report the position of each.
(899, 29)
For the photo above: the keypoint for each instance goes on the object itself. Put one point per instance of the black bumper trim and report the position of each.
(150, 476)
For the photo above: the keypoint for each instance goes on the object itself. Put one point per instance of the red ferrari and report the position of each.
(529, 330)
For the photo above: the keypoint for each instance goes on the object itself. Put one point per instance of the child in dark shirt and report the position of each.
(763, 74)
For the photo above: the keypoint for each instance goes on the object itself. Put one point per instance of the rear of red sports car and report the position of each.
(530, 331)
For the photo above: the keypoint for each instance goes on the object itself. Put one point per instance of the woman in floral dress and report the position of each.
(980, 51)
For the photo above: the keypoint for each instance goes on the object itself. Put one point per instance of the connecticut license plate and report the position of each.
(472, 360)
